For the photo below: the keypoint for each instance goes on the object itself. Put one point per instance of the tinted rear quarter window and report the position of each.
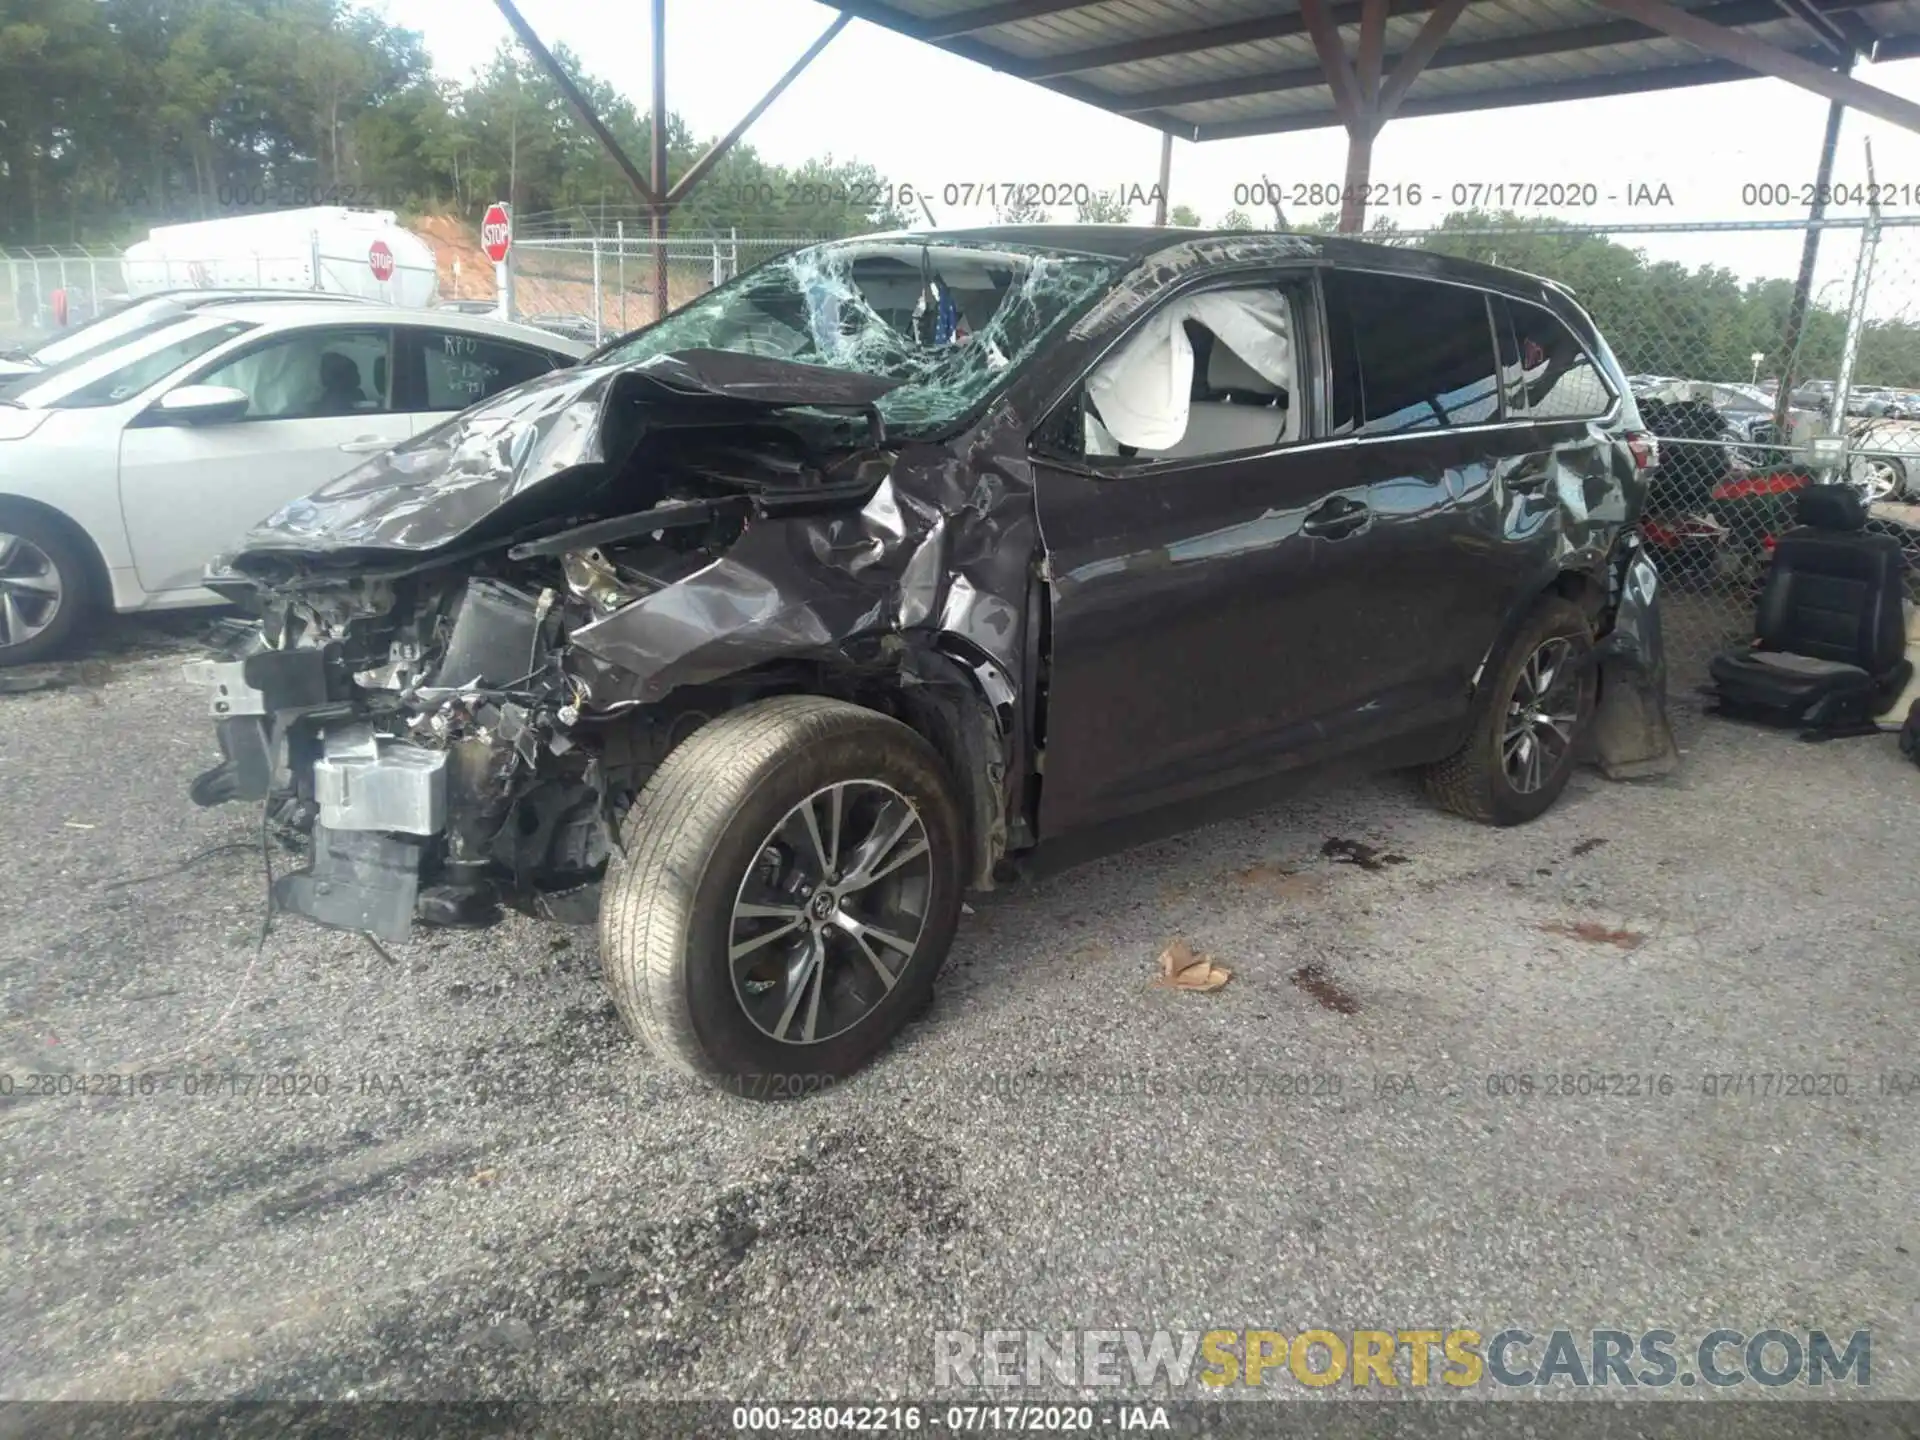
(1551, 376)
(1408, 354)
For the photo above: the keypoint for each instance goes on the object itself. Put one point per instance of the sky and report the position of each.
(927, 118)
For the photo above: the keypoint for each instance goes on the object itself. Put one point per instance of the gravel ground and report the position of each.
(500, 1194)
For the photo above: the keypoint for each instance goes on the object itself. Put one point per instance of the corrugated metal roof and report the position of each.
(1213, 69)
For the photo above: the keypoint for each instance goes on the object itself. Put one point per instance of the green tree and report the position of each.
(57, 65)
(1185, 217)
(1023, 212)
(120, 114)
(1105, 207)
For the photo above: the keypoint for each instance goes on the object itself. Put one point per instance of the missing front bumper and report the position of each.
(378, 803)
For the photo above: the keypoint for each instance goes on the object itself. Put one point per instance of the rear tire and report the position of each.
(726, 950)
(1522, 751)
(46, 587)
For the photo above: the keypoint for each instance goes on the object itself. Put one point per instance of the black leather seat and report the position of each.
(1830, 646)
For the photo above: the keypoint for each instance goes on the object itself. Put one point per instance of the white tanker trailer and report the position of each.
(333, 248)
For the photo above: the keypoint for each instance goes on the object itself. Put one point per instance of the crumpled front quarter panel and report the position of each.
(943, 544)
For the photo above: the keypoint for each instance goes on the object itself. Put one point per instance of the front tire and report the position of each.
(44, 587)
(789, 890)
(1532, 716)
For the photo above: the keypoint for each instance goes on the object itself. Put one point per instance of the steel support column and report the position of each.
(1803, 284)
(1353, 190)
(1364, 100)
(661, 204)
(655, 194)
(1166, 178)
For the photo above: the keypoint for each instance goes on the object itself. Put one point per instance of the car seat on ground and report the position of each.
(1829, 652)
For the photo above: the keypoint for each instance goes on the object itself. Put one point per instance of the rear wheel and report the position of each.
(1533, 714)
(43, 587)
(789, 890)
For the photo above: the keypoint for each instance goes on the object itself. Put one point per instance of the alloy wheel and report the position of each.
(1880, 479)
(1541, 716)
(30, 590)
(830, 913)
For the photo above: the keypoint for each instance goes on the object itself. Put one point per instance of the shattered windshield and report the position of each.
(947, 321)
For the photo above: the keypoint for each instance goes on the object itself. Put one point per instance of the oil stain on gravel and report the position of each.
(1314, 979)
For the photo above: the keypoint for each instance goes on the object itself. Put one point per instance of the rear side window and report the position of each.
(1553, 377)
(464, 369)
(1408, 354)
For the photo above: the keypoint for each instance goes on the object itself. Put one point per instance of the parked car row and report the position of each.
(1884, 449)
(1873, 402)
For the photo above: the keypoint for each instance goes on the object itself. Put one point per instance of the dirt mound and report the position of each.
(552, 281)
(465, 271)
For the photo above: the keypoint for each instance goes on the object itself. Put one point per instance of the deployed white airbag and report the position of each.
(1143, 394)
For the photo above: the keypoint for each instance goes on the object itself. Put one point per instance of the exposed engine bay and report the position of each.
(474, 649)
(456, 731)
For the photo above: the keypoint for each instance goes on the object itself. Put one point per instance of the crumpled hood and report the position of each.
(444, 485)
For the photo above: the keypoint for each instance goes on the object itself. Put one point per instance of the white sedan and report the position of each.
(123, 475)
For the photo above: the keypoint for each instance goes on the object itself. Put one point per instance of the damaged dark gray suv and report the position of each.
(772, 628)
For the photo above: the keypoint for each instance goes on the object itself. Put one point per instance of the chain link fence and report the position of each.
(573, 281)
(54, 288)
(47, 286)
(567, 279)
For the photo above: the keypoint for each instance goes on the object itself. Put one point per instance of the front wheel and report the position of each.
(1532, 715)
(789, 889)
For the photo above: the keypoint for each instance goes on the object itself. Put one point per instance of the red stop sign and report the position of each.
(380, 258)
(496, 233)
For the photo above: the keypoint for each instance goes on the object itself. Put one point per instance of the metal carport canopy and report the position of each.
(1222, 69)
